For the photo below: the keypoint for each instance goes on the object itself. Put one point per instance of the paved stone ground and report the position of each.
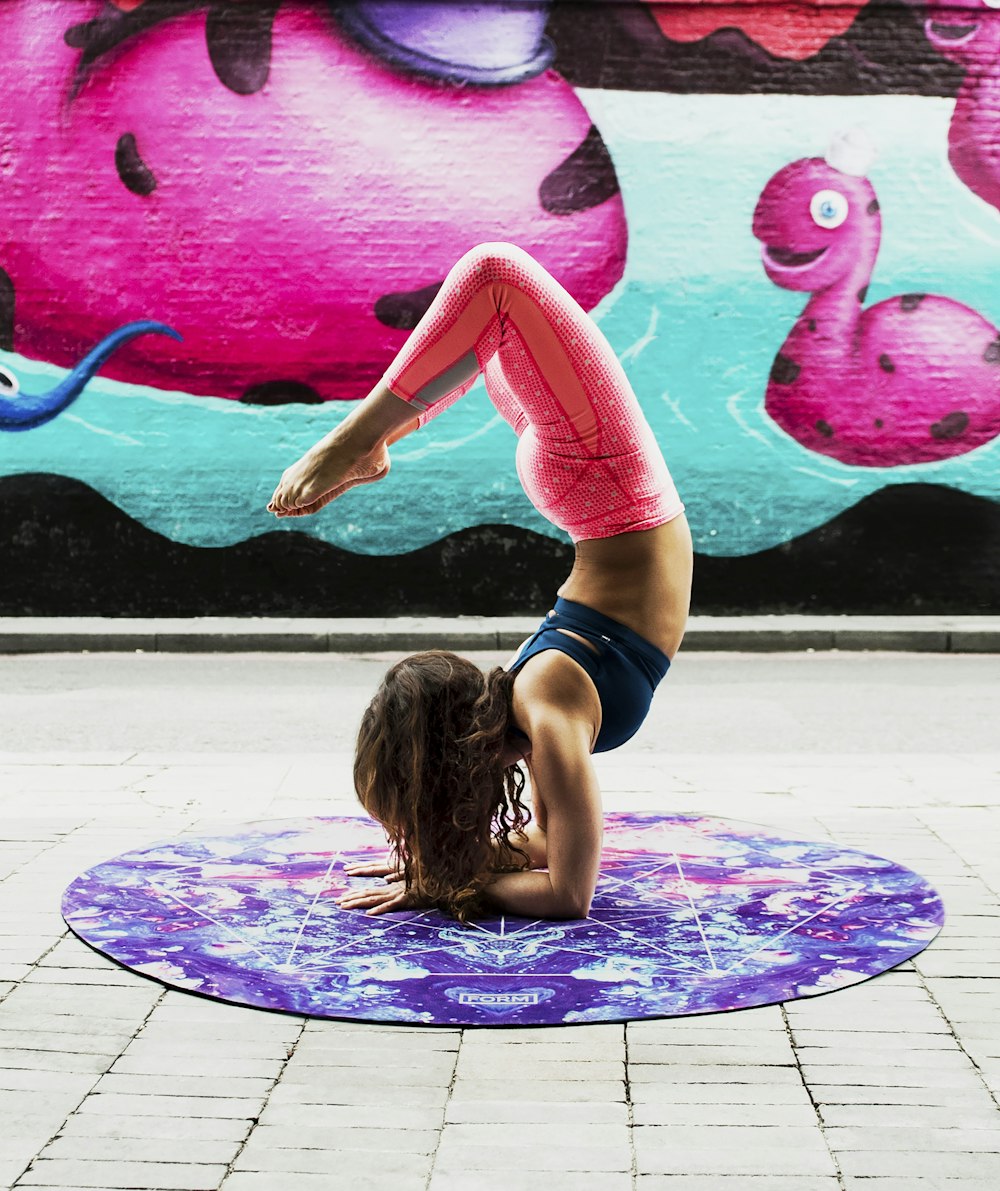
(108, 1080)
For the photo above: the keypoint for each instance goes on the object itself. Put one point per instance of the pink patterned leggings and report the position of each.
(586, 456)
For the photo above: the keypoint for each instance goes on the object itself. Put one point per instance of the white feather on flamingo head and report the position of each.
(852, 152)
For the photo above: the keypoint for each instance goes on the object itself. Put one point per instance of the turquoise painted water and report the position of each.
(695, 321)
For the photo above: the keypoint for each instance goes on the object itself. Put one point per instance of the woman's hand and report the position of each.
(375, 868)
(381, 901)
(388, 900)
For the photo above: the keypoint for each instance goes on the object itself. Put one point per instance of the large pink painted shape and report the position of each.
(912, 379)
(278, 218)
(968, 32)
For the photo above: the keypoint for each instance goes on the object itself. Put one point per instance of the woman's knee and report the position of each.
(496, 259)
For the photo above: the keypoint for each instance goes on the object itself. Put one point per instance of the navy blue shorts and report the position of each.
(626, 669)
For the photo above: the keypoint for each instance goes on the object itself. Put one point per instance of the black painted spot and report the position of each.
(951, 426)
(886, 364)
(992, 353)
(281, 392)
(404, 310)
(873, 207)
(812, 324)
(862, 293)
(879, 423)
(784, 371)
(585, 179)
(239, 43)
(6, 312)
(133, 171)
(910, 302)
(824, 428)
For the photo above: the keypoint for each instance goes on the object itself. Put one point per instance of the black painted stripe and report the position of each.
(281, 392)
(6, 312)
(870, 559)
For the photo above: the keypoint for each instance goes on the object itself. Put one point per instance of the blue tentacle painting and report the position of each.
(25, 411)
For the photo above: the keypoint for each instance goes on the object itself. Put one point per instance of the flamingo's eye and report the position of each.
(829, 208)
(10, 386)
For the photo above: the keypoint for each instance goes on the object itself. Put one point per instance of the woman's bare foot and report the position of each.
(324, 472)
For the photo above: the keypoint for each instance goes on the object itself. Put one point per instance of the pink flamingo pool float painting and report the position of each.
(912, 379)
(968, 32)
(285, 196)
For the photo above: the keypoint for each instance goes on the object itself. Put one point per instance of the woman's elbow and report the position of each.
(574, 906)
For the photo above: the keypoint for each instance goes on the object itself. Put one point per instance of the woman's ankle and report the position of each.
(382, 417)
(403, 431)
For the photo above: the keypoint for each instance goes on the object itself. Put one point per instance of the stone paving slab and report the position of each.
(931, 1183)
(107, 1080)
(801, 1153)
(173, 1176)
(665, 1095)
(901, 1162)
(108, 1130)
(742, 1182)
(331, 1180)
(363, 1133)
(511, 1178)
(554, 1154)
(763, 1113)
(356, 1163)
(557, 1115)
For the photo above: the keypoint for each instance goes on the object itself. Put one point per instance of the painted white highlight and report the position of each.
(209, 918)
(323, 884)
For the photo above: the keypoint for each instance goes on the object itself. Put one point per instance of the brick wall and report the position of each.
(785, 217)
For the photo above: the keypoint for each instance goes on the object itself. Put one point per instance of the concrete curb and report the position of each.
(758, 634)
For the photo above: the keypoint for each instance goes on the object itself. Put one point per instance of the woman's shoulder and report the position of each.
(552, 688)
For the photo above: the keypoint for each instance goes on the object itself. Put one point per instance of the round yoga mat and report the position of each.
(691, 915)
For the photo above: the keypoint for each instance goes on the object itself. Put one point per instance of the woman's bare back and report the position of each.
(642, 579)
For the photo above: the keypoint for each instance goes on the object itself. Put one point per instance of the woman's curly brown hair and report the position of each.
(429, 767)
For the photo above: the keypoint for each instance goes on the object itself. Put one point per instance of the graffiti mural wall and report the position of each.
(220, 218)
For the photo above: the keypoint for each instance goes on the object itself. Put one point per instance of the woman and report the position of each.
(439, 746)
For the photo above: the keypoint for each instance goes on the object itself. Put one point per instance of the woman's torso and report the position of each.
(642, 580)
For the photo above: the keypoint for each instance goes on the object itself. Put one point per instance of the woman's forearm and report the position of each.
(533, 843)
(530, 895)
